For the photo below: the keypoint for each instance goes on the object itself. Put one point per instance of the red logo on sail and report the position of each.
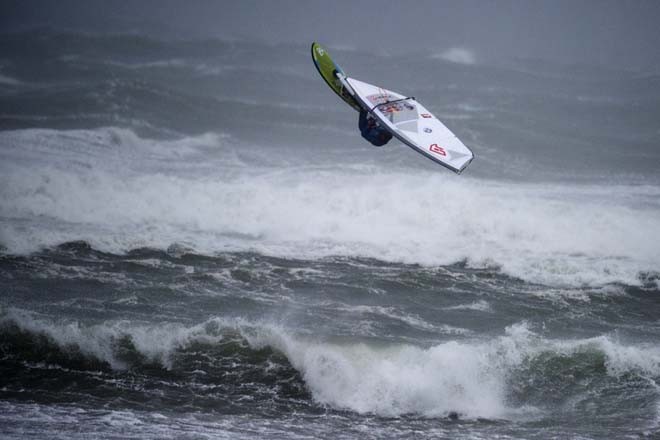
(436, 149)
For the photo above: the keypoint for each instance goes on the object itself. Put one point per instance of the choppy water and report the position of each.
(197, 244)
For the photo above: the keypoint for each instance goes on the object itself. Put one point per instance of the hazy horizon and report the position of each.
(622, 35)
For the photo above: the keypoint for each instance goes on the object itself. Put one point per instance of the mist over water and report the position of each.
(195, 242)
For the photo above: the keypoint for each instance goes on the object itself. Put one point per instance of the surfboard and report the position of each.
(404, 117)
(331, 73)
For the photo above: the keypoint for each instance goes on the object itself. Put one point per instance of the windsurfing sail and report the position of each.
(411, 123)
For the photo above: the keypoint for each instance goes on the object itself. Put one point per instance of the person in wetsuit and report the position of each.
(371, 130)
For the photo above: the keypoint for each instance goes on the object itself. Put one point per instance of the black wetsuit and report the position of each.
(372, 131)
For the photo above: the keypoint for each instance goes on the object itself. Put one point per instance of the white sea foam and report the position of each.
(119, 191)
(63, 422)
(9, 81)
(479, 306)
(457, 55)
(397, 380)
(412, 320)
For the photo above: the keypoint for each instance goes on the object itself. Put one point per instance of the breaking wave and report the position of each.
(474, 379)
(556, 234)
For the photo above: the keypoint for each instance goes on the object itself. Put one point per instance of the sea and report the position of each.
(196, 243)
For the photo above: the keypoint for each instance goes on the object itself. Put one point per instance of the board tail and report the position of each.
(331, 73)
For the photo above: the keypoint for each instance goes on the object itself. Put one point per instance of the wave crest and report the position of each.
(475, 379)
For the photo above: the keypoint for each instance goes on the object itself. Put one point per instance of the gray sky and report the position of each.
(618, 33)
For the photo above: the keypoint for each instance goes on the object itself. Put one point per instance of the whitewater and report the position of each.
(86, 186)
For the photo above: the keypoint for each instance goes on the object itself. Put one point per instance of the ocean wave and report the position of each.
(118, 191)
(474, 379)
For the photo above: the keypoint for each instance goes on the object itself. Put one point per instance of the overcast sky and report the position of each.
(619, 33)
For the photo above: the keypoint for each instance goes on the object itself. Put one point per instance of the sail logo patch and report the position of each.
(426, 115)
(439, 150)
